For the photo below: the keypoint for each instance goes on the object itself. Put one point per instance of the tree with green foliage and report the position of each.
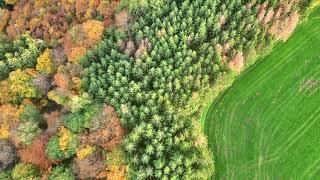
(62, 172)
(63, 145)
(30, 113)
(27, 131)
(22, 54)
(24, 171)
(80, 120)
(5, 175)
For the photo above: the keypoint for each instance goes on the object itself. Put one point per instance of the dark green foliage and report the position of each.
(23, 171)
(5, 46)
(80, 120)
(5, 175)
(53, 149)
(30, 119)
(61, 173)
(23, 54)
(30, 113)
(180, 57)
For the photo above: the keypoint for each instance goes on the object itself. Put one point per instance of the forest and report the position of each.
(94, 89)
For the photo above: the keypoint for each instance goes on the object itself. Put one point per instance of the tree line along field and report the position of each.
(266, 126)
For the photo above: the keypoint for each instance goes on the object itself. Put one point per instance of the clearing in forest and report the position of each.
(267, 125)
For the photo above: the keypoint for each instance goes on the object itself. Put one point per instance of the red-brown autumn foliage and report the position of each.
(282, 29)
(121, 20)
(90, 167)
(109, 133)
(50, 19)
(62, 80)
(81, 37)
(280, 21)
(4, 14)
(36, 153)
(237, 62)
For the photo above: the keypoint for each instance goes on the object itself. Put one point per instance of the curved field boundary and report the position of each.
(267, 125)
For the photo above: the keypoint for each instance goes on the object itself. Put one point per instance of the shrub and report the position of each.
(24, 171)
(61, 173)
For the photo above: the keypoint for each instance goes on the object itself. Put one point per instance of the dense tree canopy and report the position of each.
(80, 79)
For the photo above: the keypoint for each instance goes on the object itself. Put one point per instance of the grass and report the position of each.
(267, 124)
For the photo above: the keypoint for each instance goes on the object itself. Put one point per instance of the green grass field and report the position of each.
(267, 125)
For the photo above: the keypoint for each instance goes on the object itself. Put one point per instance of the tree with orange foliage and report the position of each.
(4, 14)
(62, 80)
(82, 37)
(36, 153)
(106, 130)
(93, 31)
(76, 53)
(4, 92)
(9, 117)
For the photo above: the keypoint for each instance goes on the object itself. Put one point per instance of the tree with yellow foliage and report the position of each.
(8, 117)
(116, 165)
(21, 86)
(11, 2)
(63, 145)
(44, 63)
(86, 151)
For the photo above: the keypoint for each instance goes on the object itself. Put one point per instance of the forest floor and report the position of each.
(266, 125)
